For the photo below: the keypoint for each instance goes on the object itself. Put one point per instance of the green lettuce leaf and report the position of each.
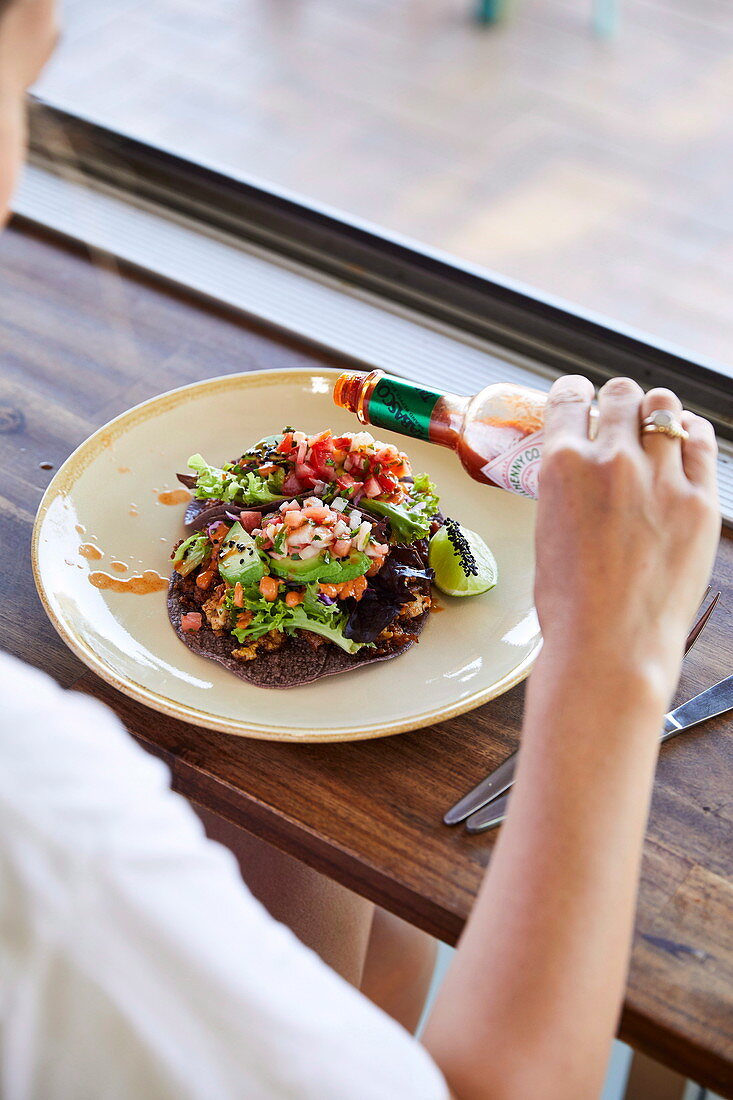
(406, 526)
(328, 613)
(255, 489)
(411, 519)
(210, 480)
(324, 619)
(266, 616)
(243, 488)
(425, 492)
(333, 631)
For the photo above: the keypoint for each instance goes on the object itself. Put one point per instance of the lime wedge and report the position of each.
(463, 563)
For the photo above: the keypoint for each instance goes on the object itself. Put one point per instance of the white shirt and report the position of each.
(133, 961)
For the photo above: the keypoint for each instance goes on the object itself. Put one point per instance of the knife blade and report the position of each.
(711, 703)
(708, 704)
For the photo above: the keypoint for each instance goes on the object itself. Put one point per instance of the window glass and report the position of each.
(596, 170)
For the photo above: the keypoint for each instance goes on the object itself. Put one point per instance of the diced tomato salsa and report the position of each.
(355, 466)
(359, 464)
(310, 528)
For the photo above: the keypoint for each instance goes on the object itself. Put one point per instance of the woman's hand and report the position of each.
(627, 529)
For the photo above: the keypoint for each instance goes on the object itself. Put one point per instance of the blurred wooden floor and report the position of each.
(598, 171)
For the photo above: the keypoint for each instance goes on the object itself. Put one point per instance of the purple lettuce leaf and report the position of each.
(404, 570)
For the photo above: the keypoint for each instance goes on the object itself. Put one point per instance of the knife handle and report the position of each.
(495, 784)
(488, 817)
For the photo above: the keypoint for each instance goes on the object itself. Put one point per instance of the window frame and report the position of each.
(439, 287)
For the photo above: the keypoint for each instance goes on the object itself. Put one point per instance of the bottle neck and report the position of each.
(413, 410)
(449, 418)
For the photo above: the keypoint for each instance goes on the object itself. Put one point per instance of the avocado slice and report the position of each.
(335, 571)
(192, 552)
(239, 559)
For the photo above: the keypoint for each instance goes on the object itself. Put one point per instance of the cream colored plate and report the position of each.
(472, 651)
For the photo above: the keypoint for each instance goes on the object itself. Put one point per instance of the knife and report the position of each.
(502, 778)
(717, 700)
(489, 788)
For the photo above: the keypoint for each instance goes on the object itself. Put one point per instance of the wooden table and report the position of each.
(78, 345)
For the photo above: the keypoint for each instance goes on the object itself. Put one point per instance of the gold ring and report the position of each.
(664, 422)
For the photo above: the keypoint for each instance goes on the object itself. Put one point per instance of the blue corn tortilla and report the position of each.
(297, 661)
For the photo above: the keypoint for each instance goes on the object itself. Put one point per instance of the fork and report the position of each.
(501, 779)
(702, 621)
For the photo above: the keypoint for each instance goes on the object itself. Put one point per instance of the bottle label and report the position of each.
(402, 407)
(518, 468)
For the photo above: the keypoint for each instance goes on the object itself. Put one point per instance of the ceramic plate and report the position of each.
(107, 496)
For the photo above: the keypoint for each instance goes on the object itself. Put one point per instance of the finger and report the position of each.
(568, 407)
(618, 412)
(664, 451)
(700, 451)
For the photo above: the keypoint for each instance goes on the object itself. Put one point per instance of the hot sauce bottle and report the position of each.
(497, 434)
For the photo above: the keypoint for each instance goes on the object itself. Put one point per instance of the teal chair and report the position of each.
(605, 14)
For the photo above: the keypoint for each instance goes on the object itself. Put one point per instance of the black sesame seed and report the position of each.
(461, 547)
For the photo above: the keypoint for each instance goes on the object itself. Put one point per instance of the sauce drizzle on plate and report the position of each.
(89, 550)
(174, 496)
(136, 585)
